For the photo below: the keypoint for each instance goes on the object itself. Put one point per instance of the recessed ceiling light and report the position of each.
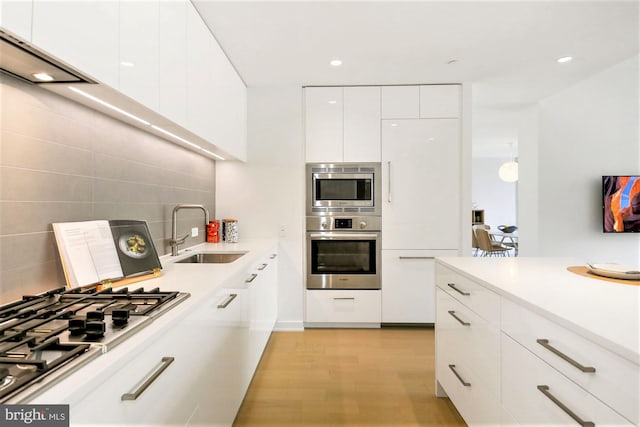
(565, 59)
(335, 62)
(43, 77)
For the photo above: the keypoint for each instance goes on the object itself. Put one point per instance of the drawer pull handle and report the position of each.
(462, 322)
(416, 257)
(545, 344)
(227, 301)
(453, 286)
(343, 298)
(545, 390)
(273, 256)
(166, 361)
(251, 278)
(262, 267)
(464, 383)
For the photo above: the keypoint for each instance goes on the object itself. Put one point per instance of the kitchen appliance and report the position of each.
(45, 337)
(343, 252)
(343, 188)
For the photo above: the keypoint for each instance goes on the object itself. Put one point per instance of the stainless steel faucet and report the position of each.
(174, 226)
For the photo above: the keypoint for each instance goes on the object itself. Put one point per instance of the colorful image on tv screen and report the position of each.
(621, 203)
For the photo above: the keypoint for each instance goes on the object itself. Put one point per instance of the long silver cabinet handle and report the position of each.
(273, 256)
(416, 257)
(453, 286)
(545, 390)
(165, 362)
(552, 349)
(453, 314)
(343, 298)
(227, 301)
(251, 278)
(464, 383)
(262, 267)
(389, 181)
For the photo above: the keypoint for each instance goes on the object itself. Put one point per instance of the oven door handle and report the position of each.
(344, 236)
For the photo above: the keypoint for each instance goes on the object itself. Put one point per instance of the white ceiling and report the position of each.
(507, 49)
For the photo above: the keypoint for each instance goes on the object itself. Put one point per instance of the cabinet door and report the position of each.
(83, 34)
(203, 385)
(408, 286)
(139, 68)
(323, 124)
(15, 16)
(172, 102)
(400, 102)
(421, 184)
(361, 124)
(439, 101)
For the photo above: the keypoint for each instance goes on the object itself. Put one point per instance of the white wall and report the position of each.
(586, 131)
(266, 194)
(496, 197)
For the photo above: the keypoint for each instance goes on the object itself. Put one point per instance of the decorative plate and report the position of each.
(616, 271)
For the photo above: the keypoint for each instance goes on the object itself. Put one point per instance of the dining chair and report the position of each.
(488, 247)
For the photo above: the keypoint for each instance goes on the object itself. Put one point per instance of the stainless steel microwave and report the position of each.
(334, 188)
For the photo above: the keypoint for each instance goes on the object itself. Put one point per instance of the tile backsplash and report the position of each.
(61, 161)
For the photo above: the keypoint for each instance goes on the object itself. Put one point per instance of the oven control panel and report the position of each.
(328, 223)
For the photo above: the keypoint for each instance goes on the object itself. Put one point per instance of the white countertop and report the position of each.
(199, 280)
(605, 312)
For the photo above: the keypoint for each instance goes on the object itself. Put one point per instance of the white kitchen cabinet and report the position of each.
(323, 124)
(139, 51)
(408, 290)
(343, 307)
(216, 95)
(342, 124)
(440, 101)
(172, 57)
(84, 34)
(536, 394)
(202, 384)
(361, 124)
(15, 16)
(400, 102)
(421, 184)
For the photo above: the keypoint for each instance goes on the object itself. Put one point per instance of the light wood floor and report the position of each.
(347, 377)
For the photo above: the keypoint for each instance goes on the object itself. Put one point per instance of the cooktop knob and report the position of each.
(77, 326)
(95, 329)
(363, 225)
(120, 317)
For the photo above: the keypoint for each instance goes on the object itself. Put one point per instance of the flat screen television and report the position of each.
(621, 203)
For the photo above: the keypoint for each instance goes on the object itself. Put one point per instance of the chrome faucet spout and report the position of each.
(175, 242)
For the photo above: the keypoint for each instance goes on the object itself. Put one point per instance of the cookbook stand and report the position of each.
(122, 282)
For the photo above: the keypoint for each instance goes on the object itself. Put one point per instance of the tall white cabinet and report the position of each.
(415, 131)
(421, 195)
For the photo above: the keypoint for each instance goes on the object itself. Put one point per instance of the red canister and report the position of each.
(213, 232)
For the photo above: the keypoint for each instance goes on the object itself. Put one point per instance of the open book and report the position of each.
(97, 251)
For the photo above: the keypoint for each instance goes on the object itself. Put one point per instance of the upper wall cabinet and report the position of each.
(172, 95)
(342, 124)
(15, 16)
(216, 95)
(421, 102)
(83, 34)
(138, 61)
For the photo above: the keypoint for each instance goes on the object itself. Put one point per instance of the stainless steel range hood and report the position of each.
(23, 61)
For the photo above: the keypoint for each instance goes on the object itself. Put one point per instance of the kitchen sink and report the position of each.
(220, 258)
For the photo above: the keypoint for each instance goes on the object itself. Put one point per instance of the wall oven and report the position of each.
(343, 188)
(343, 252)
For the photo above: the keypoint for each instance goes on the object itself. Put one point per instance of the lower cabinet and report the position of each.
(343, 307)
(190, 373)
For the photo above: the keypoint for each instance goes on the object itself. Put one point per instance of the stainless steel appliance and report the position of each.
(47, 336)
(343, 189)
(343, 252)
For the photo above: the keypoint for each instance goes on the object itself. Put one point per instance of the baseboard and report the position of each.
(289, 325)
(358, 325)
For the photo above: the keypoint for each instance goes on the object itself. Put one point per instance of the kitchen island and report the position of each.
(524, 341)
(193, 363)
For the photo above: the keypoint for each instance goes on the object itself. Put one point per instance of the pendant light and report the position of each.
(508, 171)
